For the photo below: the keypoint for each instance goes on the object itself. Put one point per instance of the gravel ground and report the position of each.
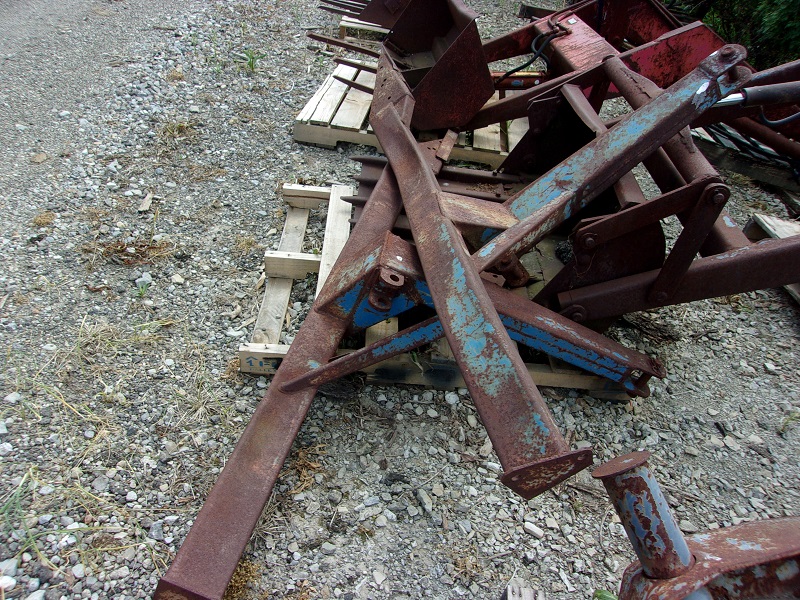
(120, 401)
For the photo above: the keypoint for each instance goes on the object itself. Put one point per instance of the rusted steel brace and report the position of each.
(697, 227)
(753, 560)
(225, 523)
(532, 451)
(768, 263)
(677, 154)
(526, 322)
(343, 44)
(572, 184)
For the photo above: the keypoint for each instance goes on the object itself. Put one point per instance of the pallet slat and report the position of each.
(762, 226)
(329, 104)
(277, 291)
(356, 104)
(337, 230)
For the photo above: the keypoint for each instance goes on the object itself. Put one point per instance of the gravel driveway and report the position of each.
(119, 324)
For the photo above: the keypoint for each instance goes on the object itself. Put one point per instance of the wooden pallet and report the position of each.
(340, 113)
(763, 226)
(434, 368)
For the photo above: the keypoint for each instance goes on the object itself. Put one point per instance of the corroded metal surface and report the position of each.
(752, 560)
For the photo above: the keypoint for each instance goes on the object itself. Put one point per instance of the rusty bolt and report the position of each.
(589, 241)
(718, 198)
(577, 313)
(727, 52)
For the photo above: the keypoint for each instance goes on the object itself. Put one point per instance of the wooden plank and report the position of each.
(312, 104)
(777, 228)
(328, 137)
(351, 23)
(337, 230)
(277, 291)
(445, 375)
(327, 107)
(761, 226)
(262, 359)
(380, 330)
(516, 129)
(290, 265)
(487, 138)
(355, 106)
(739, 163)
(305, 196)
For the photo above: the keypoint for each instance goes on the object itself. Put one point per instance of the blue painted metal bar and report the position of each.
(646, 516)
(531, 449)
(571, 185)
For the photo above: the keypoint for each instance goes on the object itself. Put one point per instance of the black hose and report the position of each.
(537, 53)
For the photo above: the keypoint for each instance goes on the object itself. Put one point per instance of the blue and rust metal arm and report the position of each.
(571, 185)
(754, 560)
(532, 451)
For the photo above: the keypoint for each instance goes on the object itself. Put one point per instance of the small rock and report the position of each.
(121, 573)
(177, 279)
(381, 521)
(156, 531)
(328, 549)
(379, 577)
(731, 443)
(9, 567)
(37, 595)
(7, 583)
(691, 451)
(79, 571)
(687, 526)
(13, 397)
(100, 483)
(425, 501)
(551, 523)
(131, 496)
(533, 530)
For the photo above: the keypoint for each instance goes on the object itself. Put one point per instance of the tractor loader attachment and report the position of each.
(451, 244)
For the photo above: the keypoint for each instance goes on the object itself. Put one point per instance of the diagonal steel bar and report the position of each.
(571, 185)
(532, 451)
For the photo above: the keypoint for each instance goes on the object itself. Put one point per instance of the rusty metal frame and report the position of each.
(460, 236)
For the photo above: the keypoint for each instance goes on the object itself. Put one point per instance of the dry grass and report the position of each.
(303, 591)
(176, 74)
(244, 244)
(137, 252)
(246, 573)
(44, 219)
(174, 134)
(304, 465)
(206, 173)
